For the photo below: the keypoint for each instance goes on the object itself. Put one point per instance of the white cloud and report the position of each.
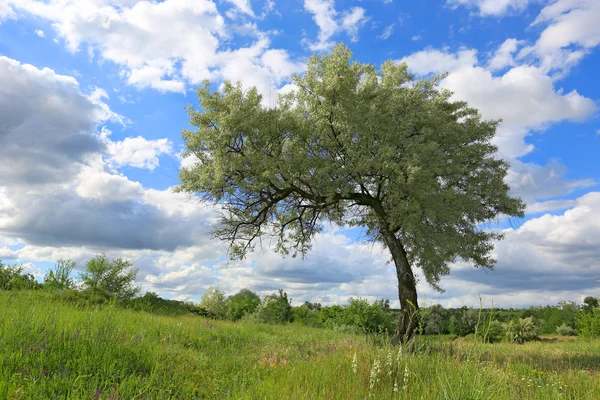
(243, 6)
(352, 21)
(387, 32)
(435, 61)
(6, 11)
(503, 57)
(495, 8)
(329, 22)
(167, 45)
(524, 98)
(572, 30)
(138, 152)
(40, 33)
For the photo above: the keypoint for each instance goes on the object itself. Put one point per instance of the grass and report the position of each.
(53, 350)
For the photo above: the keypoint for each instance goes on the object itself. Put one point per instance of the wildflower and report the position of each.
(354, 364)
(399, 356)
(396, 385)
(388, 362)
(405, 385)
(375, 371)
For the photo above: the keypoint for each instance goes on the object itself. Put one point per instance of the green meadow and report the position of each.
(52, 349)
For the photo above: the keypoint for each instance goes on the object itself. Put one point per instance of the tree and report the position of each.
(13, 278)
(276, 309)
(113, 277)
(243, 302)
(213, 302)
(590, 303)
(60, 276)
(353, 145)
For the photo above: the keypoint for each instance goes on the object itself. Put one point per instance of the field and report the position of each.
(53, 350)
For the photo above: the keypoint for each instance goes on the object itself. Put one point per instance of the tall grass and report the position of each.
(53, 350)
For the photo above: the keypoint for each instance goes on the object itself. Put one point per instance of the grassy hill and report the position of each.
(50, 349)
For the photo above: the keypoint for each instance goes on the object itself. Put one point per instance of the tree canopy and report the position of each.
(353, 145)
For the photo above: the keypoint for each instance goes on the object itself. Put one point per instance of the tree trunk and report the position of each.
(407, 289)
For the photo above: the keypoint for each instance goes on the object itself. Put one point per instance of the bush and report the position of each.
(13, 278)
(565, 330)
(59, 278)
(243, 302)
(492, 331)
(521, 330)
(114, 277)
(213, 303)
(588, 323)
(275, 309)
(304, 315)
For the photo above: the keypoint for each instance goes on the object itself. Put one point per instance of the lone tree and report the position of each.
(357, 145)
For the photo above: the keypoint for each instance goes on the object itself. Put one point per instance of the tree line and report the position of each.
(104, 280)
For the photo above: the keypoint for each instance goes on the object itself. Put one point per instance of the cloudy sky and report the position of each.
(92, 97)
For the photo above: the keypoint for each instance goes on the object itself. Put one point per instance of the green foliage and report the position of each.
(59, 278)
(566, 330)
(213, 302)
(356, 145)
(307, 316)
(588, 323)
(113, 277)
(13, 278)
(52, 349)
(153, 303)
(434, 320)
(551, 317)
(243, 302)
(590, 302)
(492, 331)
(521, 330)
(275, 309)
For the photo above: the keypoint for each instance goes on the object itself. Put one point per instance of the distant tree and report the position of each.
(353, 145)
(454, 326)
(276, 309)
(213, 301)
(590, 302)
(243, 302)
(12, 277)
(434, 320)
(113, 277)
(59, 277)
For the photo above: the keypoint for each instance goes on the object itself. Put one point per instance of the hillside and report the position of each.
(49, 349)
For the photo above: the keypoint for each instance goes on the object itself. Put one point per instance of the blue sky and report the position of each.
(92, 97)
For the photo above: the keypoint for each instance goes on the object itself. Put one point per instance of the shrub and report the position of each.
(213, 303)
(588, 323)
(566, 330)
(59, 278)
(521, 330)
(13, 278)
(492, 331)
(243, 302)
(114, 277)
(305, 315)
(275, 309)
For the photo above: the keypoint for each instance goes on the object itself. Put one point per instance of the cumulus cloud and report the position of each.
(43, 140)
(167, 45)
(330, 22)
(437, 61)
(243, 6)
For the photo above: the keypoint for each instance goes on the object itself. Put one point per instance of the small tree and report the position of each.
(590, 303)
(521, 330)
(243, 302)
(275, 309)
(213, 302)
(59, 278)
(13, 278)
(353, 145)
(113, 277)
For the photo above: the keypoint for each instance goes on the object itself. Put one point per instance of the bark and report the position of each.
(407, 289)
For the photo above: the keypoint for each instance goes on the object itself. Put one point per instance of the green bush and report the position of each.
(566, 330)
(521, 330)
(588, 323)
(492, 331)
(275, 309)
(59, 278)
(213, 303)
(306, 316)
(243, 302)
(113, 277)
(13, 278)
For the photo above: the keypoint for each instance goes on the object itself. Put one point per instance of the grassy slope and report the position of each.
(53, 350)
